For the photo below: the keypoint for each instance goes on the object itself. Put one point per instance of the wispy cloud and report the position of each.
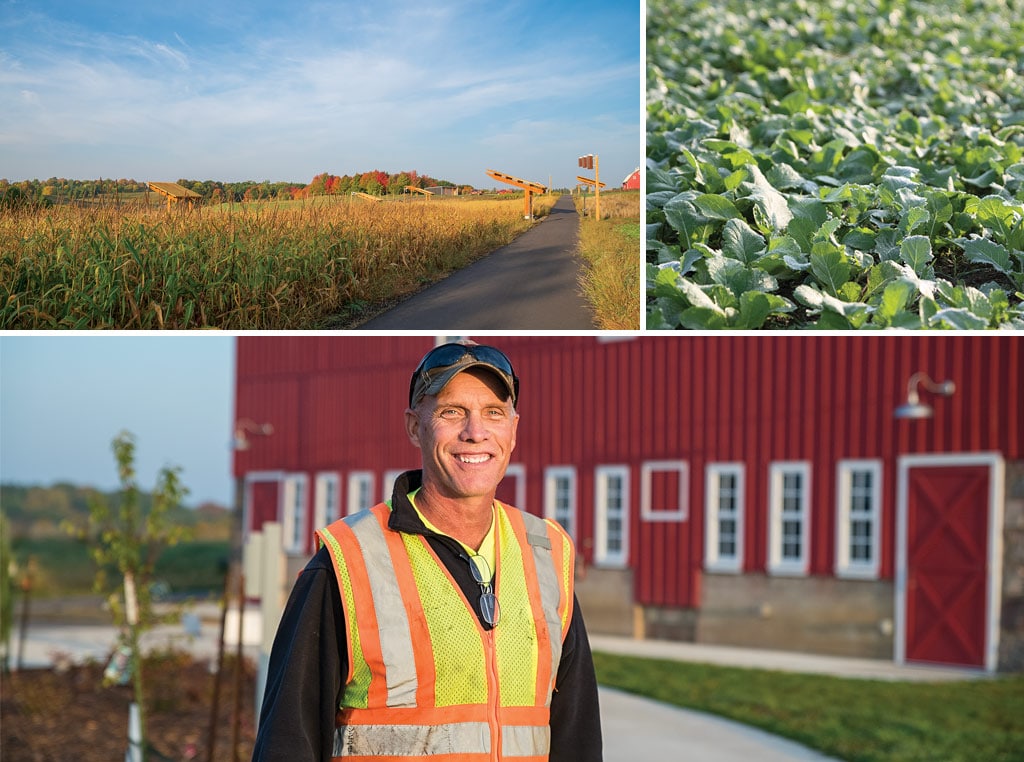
(342, 87)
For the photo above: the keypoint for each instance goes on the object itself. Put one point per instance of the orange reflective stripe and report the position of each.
(369, 633)
(423, 647)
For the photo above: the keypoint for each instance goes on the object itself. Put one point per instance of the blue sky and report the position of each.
(63, 399)
(281, 91)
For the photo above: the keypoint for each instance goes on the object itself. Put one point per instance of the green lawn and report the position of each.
(855, 720)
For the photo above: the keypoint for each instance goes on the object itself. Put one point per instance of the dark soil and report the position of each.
(68, 715)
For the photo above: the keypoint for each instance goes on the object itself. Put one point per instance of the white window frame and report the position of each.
(388, 485)
(327, 483)
(517, 471)
(552, 475)
(777, 564)
(602, 555)
(713, 558)
(846, 566)
(647, 471)
(360, 483)
(295, 511)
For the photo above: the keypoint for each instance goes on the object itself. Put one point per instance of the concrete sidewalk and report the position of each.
(783, 661)
(636, 728)
(640, 728)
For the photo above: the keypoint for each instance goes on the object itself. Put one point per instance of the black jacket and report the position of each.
(309, 658)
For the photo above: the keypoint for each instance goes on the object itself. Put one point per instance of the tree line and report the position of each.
(63, 190)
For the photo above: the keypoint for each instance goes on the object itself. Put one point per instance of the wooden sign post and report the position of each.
(529, 188)
(590, 161)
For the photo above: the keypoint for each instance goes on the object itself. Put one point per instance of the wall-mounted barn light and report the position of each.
(248, 426)
(913, 407)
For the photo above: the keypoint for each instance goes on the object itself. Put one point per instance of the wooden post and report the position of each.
(597, 188)
(212, 737)
(237, 715)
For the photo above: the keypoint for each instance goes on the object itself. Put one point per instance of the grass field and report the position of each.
(611, 247)
(264, 266)
(853, 720)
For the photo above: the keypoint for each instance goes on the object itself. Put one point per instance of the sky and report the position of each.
(281, 91)
(64, 398)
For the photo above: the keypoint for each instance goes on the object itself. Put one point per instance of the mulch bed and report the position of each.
(68, 714)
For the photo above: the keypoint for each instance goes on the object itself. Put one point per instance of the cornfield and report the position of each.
(258, 267)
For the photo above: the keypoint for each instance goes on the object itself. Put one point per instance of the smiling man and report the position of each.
(442, 624)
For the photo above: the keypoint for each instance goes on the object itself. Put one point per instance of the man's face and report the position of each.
(466, 435)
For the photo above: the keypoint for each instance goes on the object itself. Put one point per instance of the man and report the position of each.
(441, 625)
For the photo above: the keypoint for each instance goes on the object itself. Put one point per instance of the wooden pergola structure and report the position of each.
(529, 189)
(175, 193)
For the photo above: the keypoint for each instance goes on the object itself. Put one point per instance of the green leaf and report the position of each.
(716, 207)
(959, 318)
(702, 318)
(916, 251)
(895, 298)
(830, 267)
(740, 241)
(986, 252)
(768, 201)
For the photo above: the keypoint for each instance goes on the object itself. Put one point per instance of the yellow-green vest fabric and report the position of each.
(426, 680)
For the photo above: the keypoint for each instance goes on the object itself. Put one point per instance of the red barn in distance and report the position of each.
(632, 181)
(739, 490)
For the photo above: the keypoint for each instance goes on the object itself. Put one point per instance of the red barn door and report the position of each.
(948, 581)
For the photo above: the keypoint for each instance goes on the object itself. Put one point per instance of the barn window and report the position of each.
(858, 495)
(360, 491)
(611, 509)
(663, 490)
(295, 513)
(326, 500)
(560, 497)
(723, 530)
(390, 477)
(789, 496)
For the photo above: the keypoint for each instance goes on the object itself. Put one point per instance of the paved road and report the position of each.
(529, 284)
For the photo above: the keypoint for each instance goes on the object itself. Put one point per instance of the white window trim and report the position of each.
(320, 517)
(844, 566)
(776, 564)
(647, 470)
(355, 481)
(388, 485)
(602, 556)
(551, 473)
(295, 511)
(248, 481)
(712, 561)
(517, 471)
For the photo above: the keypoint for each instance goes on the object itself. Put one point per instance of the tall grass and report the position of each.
(611, 247)
(258, 267)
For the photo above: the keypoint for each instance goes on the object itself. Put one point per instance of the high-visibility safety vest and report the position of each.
(426, 681)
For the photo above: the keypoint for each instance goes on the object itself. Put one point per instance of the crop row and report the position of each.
(251, 268)
(839, 165)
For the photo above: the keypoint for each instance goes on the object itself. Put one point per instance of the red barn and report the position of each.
(742, 490)
(632, 181)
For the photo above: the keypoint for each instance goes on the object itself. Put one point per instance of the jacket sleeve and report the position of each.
(304, 676)
(575, 712)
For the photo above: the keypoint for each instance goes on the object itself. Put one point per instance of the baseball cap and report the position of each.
(442, 363)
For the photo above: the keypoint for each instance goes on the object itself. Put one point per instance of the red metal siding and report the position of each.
(336, 404)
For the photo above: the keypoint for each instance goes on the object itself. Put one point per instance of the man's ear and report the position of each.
(412, 426)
